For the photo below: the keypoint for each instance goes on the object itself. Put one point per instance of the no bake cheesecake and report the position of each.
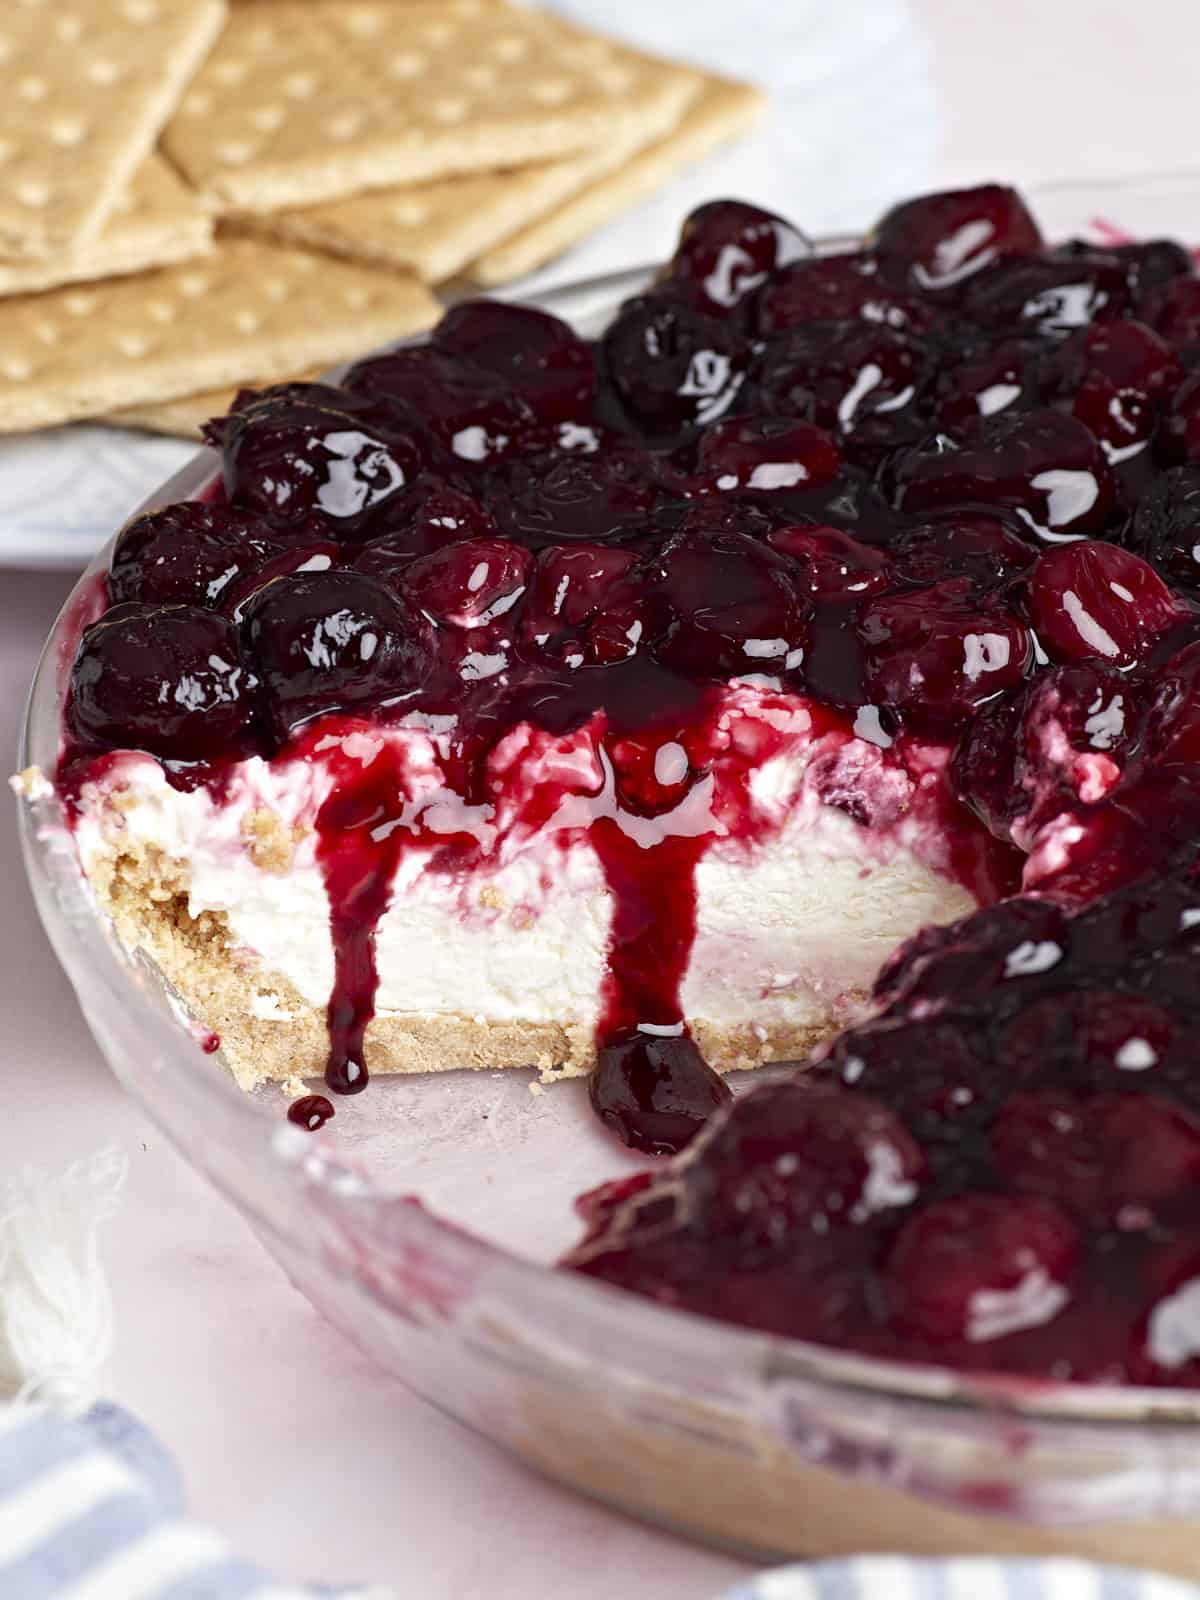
(624, 704)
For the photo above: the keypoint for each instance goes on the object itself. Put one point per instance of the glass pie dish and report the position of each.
(423, 1225)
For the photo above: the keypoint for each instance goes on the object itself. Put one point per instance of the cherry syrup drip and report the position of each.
(311, 1111)
(359, 842)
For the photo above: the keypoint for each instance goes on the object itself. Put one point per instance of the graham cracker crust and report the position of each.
(269, 1032)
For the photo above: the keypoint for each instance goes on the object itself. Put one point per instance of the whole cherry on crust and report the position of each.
(469, 416)
(1179, 439)
(585, 497)
(764, 454)
(171, 680)
(735, 607)
(940, 240)
(962, 544)
(1092, 601)
(1173, 725)
(305, 454)
(984, 769)
(1173, 309)
(978, 1266)
(1046, 295)
(332, 641)
(862, 382)
(1044, 466)
(544, 360)
(833, 566)
(938, 653)
(997, 375)
(800, 1161)
(186, 554)
(1165, 528)
(1129, 354)
(586, 604)
(655, 1093)
(835, 288)
(470, 584)
(727, 248)
(669, 368)
(1150, 264)
(1080, 728)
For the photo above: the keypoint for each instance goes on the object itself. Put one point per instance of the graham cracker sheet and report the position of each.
(435, 229)
(314, 100)
(87, 85)
(723, 110)
(157, 220)
(248, 308)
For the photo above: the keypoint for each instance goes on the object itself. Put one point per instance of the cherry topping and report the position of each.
(311, 1111)
(592, 497)
(979, 1266)
(939, 652)
(470, 584)
(1166, 527)
(671, 368)
(735, 605)
(167, 679)
(434, 515)
(1050, 296)
(940, 240)
(655, 1093)
(301, 451)
(1093, 601)
(1173, 309)
(544, 360)
(963, 544)
(832, 565)
(765, 454)
(836, 288)
(726, 248)
(331, 641)
(801, 1161)
(469, 414)
(186, 554)
(1181, 424)
(1041, 464)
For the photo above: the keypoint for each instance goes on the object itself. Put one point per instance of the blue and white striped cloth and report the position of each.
(92, 1510)
(969, 1578)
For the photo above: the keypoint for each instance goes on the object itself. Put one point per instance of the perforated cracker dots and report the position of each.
(31, 88)
(104, 71)
(32, 192)
(80, 304)
(450, 111)
(133, 345)
(246, 321)
(410, 213)
(300, 85)
(67, 131)
(345, 125)
(16, 368)
(408, 64)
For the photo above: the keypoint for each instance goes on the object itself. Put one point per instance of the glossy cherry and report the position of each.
(186, 554)
(544, 360)
(331, 641)
(470, 584)
(669, 367)
(1091, 601)
(1044, 466)
(171, 680)
(765, 454)
(940, 240)
(655, 1093)
(735, 607)
(937, 653)
(727, 248)
(301, 452)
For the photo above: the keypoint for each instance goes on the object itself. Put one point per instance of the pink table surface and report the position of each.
(313, 1463)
